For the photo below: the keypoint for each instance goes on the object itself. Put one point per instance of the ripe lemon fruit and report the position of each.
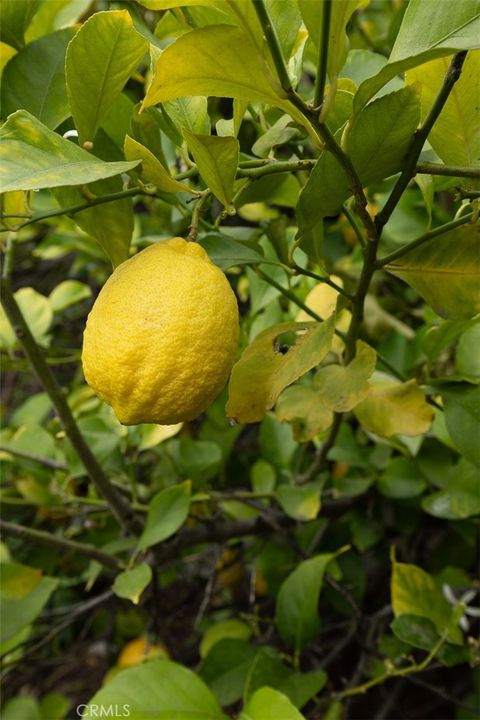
(161, 338)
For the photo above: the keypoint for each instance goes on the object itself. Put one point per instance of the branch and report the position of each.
(197, 215)
(322, 279)
(45, 461)
(321, 78)
(463, 220)
(44, 538)
(119, 506)
(408, 172)
(427, 168)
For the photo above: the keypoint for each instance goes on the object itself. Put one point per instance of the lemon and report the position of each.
(161, 338)
(139, 650)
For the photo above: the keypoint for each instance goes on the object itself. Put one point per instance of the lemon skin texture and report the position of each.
(161, 338)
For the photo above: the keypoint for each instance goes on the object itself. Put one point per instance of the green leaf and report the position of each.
(190, 113)
(226, 252)
(428, 30)
(196, 459)
(393, 408)
(414, 592)
(459, 116)
(159, 689)
(269, 704)
(23, 595)
(16, 17)
(301, 406)
(401, 479)
(462, 415)
(54, 16)
(217, 162)
(38, 314)
(421, 633)
(300, 502)
(296, 614)
(130, 584)
(377, 144)
(26, 708)
(166, 513)
(235, 629)
(33, 157)
(445, 272)
(152, 170)
(226, 667)
(236, 69)
(268, 365)
(110, 224)
(34, 80)
(100, 59)
(460, 494)
(467, 355)
(68, 293)
(342, 388)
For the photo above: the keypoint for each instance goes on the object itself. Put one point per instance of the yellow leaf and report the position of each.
(152, 169)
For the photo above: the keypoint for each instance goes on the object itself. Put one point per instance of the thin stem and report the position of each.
(320, 278)
(320, 459)
(453, 74)
(395, 672)
(119, 506)
(288, 294)
(441, 230)
(274, 46)
(40, 460)
(276, 166)
(45, 538)
(353, 222)
(321, 77)
(197, 215)
(368, 269)
(427, 168)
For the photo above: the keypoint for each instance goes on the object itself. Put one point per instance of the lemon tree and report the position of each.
(239, 331)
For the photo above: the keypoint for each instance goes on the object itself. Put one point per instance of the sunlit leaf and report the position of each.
(300, 502)
(37, 312)
(269, 704)
(394, 408)
(34, 157)
(267, 366)
(455, 136)
(24, 592)
(414, 592)
(130, 584)
(428, 30)
(100, 59)
(342, 388)
(16, 17)
(217, 162)
(152, 170)
(445, 272)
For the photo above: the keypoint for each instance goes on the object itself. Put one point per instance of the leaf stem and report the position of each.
(320, 278)
(463, 220)
(321, 77)
(408, 172)
(119, 506)
(44, 538)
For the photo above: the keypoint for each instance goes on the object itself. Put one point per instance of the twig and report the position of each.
(323, 279)
(119, 506)
(427, 168)
(453, 74)
(321, 77)
(353, 222)
(441, 230)
(44, 538)
(197, 214)
(320, 459)
(40, 460)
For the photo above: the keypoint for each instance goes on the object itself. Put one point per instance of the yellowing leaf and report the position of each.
(217, 162)
(300, 502)
(269, 364)
(301, 406)
(393, 408)
(152, 170)
(342, 388)
(455, 136)
(33, 157)
(131, 583)
(322, 299)
(100, 59)
(445, 272)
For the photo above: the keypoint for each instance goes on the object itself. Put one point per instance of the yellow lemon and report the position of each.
(139, 650)
(161, 338)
